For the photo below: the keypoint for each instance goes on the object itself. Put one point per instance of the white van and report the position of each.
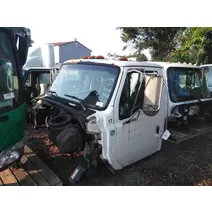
(119, 111)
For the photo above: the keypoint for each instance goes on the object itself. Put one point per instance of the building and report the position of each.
(71, 49)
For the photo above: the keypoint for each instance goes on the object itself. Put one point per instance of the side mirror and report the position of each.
(22, 49)
(152, 94)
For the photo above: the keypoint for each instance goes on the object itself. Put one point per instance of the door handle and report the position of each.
(157, 130)
(3, 118)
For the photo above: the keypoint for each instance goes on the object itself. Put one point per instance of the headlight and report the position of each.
(11, 155)
(92, 127)
(9, 158)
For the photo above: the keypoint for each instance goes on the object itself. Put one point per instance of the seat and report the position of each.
(43, 89)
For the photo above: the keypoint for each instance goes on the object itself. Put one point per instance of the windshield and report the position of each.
(9, 83)
(44, 78)
(92, 84)
(208, 74)
(186, 84)
(37, 76)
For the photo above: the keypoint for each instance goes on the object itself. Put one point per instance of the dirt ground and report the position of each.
(185, 164)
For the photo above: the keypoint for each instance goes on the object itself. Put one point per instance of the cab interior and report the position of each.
(37, 83)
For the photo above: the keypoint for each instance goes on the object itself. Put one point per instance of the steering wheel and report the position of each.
(187, 88)
(192, 86)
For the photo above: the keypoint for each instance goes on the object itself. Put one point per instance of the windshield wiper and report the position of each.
(80, 100)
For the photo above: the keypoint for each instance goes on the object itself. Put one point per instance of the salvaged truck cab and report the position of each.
(39, 72)
(207, 68)
(119, 111)
(189, 101)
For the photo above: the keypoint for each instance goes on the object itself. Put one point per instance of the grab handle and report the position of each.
(3, 118)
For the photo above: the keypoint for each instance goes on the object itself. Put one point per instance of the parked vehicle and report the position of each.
(39, 72)
(13, 54)
(120, 111)
(208, 72)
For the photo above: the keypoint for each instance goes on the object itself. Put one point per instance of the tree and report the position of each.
(207, 48)
(160, 40)
(195, 46)
(141, 57)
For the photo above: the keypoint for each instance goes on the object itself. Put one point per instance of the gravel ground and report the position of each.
(184, 164)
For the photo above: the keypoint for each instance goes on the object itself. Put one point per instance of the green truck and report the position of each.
(14, 44)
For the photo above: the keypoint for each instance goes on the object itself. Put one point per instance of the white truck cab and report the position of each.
(118, 111)
(207, 68)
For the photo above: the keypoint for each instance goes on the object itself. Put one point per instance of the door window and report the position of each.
(132, 95)
(9, 81)
(44, 78)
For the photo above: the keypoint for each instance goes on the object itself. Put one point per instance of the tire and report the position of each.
(57, 124)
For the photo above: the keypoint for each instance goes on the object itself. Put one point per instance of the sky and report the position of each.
(100, 39)
(94, 22)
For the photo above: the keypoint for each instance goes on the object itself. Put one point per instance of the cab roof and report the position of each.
(164, 65)
(38, 68)
(206, 65)
(168, 64)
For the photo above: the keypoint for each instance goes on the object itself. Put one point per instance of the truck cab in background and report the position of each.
(39, 72)
(207, 68)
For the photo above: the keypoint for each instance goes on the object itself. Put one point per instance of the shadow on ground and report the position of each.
(185, 164)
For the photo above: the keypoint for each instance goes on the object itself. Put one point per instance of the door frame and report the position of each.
(123, 126)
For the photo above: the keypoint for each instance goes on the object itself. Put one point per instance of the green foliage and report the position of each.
(141, 57)
(176, 44)
(160, 40)
(195, 46)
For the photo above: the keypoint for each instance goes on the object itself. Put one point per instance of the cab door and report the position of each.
(12, 108)
(139, 116)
